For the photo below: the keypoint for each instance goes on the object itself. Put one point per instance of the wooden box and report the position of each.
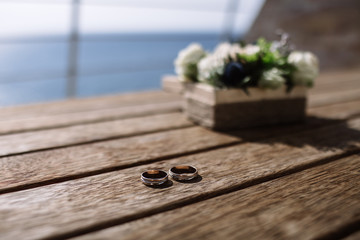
(233, 108)
(172, 84)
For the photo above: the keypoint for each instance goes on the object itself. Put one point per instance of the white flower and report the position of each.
(275, 46)
(271, 79)
(222, 49)
(210, 68)
(186, 61)
(226, 50)
(307, 67)
(250, 49)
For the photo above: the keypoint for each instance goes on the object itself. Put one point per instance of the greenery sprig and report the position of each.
(266, 64)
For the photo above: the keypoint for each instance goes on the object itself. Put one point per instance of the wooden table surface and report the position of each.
(71, 169)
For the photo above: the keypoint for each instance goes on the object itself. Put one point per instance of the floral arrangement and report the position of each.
(267, 65)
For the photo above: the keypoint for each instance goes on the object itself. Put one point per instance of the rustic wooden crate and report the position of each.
(172, 84)
(226, 109)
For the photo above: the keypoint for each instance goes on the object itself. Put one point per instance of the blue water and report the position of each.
(34, 70)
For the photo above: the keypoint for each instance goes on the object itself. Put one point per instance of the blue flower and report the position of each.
(234, 74)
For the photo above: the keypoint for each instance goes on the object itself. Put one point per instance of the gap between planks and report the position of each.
(92, 159)
(67, 136)
(73, 119)
(85, 104)
(80, 118)
(69, 177)
(83, 205)
(261, 211)
(83, 134)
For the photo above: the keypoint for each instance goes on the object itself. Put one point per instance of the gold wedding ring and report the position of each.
(154, 177)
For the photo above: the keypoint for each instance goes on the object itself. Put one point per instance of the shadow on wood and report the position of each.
(167, 184)
(194, 180)
(297, 135)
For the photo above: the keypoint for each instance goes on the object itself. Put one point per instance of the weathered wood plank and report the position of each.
(337, 76)
(336, 111)
(39, 168)
(244, 115)
(328, 98)
(172, 84)
(314, 203)
(335, 87)
(44, 121)
(47, 166)
(22, 142)
(339, 85)
(85, 104)
(85, 117)
(31, 141)
(77, 206)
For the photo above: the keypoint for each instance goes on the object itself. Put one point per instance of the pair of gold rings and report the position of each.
(179, 173)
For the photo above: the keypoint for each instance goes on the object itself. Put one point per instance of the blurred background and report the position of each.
(54, 49)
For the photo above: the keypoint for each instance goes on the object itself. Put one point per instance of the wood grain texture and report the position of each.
(311, 204)
(85, 117)
(31, 141)
(84, 104)
(39, 168)
(51, 120)
(96, 185)
(69, 208)
(336, 111)
(172, 84)
(32, 168)
(328, 98)
(246, 114)
(336, 76)
(340, 85)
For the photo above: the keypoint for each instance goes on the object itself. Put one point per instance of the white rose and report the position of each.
(271, 79)
(307, 67)
(250, 49)
(226, 50)
(222, 49)
(210, 67)
(186, 61)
